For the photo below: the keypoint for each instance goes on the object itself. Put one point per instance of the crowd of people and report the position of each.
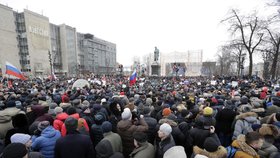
(157, 117)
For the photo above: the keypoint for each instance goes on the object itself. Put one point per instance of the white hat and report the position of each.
(126, 114)
(165, 128)
(103, 100)
(20, 138)
(200, 156)
(175, 151)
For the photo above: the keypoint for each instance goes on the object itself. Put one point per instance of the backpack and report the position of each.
(231, 151)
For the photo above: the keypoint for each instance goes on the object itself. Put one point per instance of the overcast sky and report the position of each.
(137, 26)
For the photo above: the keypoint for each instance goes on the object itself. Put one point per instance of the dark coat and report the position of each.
(146, 150)
(126, 129)
(199, 135)
(152, 131)
(79, 146)
(224, 120)
(96, 134)
(164, 145)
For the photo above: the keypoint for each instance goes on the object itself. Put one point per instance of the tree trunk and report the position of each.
(273, 66)
(250, 63)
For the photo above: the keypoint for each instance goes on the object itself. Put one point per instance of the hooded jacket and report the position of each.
(244, 123)
(6, 120)
(220, 153)
(46, 142)
(244, 150)
(126, 129)
(146, 150)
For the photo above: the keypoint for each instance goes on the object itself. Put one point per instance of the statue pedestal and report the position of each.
(155, 69)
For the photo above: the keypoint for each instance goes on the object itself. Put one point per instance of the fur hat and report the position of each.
(269, 129)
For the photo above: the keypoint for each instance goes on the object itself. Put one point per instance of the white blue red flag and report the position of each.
(13, 71)
(132, 79)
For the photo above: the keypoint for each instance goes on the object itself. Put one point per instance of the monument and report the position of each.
(155, 65)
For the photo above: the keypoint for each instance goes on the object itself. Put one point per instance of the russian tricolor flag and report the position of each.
(132, 79)
(13, 71)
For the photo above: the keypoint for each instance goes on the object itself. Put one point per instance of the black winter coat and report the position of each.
(224, 120)
(74, 145)
(152, 131)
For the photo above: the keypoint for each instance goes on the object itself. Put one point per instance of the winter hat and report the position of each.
(166, 112)
(58, 110)
(126, 114)
(20, 138)
(106, 127)
(200, 156)
(207, 111)
(210, 144)
(99, 119)
(228, 104)
(245, 108)
(76, 102)
(71, 124)
(244, 100)
(140, 137)
(85, 103)
(65, 99)
(18, 104)
(268, 129)
(146, 110)
(71, 110)
(175, 151)
(42, 125)
(165, 128)
(103, 100)
(14, 150)
(255, 127)
(277, 116)
(149, 101)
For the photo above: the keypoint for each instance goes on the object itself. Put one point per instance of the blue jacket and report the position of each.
(46, 142)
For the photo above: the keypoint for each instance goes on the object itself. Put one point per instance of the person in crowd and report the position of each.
(111, 144)
(166, 140)
(248, 145)
(74, 144)
(45, 139)
(212, 149)
(143, 149)
(25, 139)
(20, 124)
(15, 150)
(126, 129)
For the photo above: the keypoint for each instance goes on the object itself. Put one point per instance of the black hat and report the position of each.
(277, 116)
(71, 124)
(106, 127)
(140, 137)
(14, 150)
(210, 144)
(71, 110)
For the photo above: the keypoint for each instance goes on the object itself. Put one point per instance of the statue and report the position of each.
(156, 54)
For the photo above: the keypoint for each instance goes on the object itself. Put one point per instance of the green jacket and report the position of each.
(146, 150)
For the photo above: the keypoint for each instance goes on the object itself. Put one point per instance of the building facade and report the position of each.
(96, 55)
(9, 49)
(31, 43)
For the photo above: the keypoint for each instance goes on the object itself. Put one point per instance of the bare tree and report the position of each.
(247, 29)
(225, 60)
